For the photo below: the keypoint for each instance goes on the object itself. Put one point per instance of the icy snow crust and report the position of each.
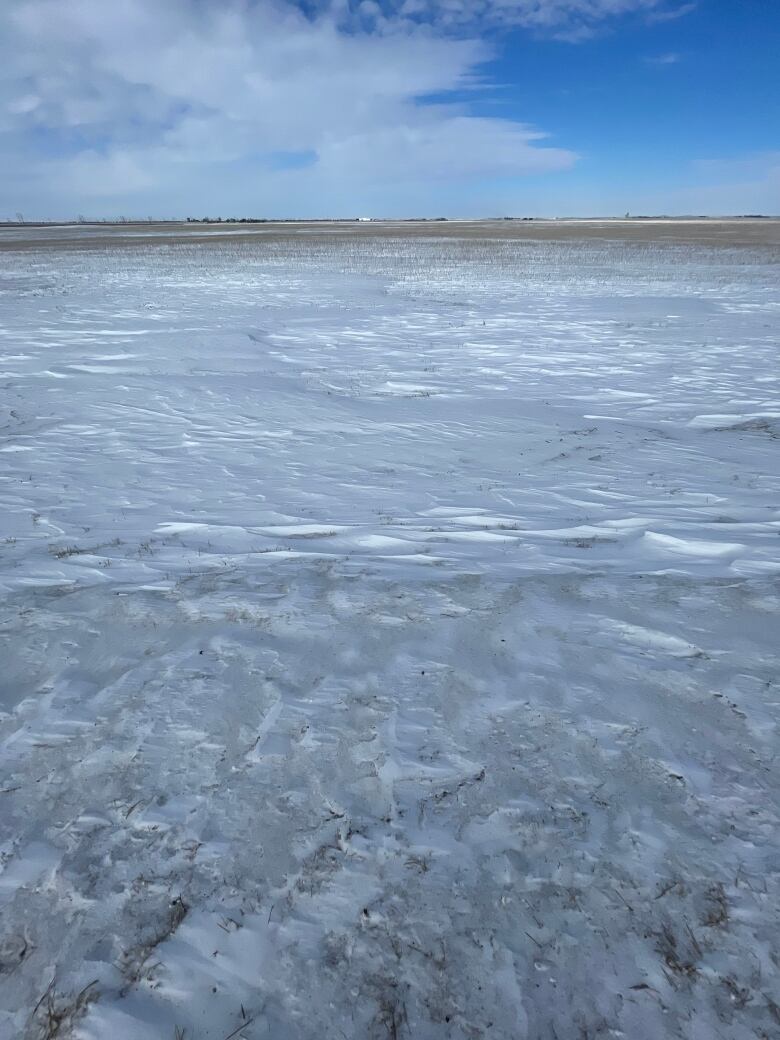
(389, 640)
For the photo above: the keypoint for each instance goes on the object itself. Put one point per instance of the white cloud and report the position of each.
(21, 105)
(664, 14)
(185, 104)
(670, 58)
(565, 19)
(251, 106)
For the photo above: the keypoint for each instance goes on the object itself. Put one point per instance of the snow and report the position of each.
(389, 639)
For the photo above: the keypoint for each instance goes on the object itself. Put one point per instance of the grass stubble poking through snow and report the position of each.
(389, 639)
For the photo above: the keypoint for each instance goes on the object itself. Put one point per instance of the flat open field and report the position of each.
(705, 232)
(389, 631)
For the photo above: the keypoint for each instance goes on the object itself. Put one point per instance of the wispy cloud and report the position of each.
(759, 165)
(571, 20)
(670, 58)
(670, 14)
(723, 186)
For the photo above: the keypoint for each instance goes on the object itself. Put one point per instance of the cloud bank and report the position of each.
(273, 107)
(242, 107)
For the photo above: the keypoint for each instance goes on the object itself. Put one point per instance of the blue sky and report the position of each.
(659, 109)
(405, 107)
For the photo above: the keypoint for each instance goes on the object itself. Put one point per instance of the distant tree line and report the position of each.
(227, 220)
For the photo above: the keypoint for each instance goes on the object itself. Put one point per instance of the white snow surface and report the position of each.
(389, 641)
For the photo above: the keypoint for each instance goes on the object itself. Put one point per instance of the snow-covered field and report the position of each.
(389, 640)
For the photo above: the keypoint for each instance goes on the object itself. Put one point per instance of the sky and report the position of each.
(317, 108)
